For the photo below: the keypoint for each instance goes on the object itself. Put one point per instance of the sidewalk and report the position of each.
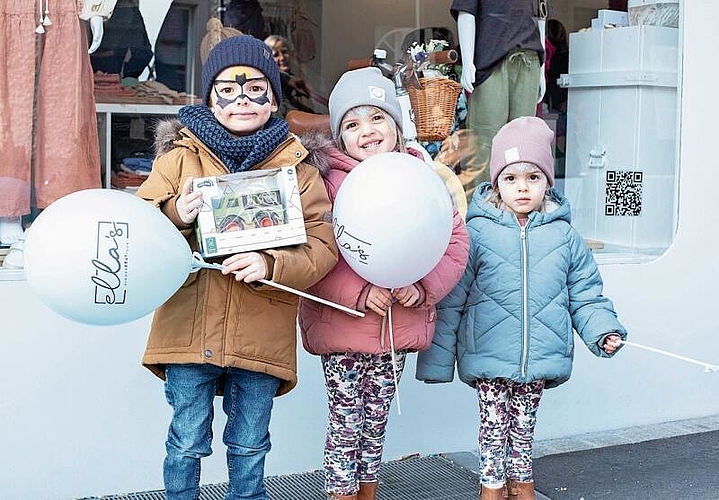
(675, 460)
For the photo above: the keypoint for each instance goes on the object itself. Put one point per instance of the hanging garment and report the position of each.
(65, 140)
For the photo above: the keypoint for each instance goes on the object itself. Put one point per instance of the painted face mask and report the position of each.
(255, 89)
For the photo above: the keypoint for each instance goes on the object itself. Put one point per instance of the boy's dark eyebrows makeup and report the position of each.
(241, 80)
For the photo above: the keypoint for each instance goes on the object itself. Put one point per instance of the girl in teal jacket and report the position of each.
(509, 322)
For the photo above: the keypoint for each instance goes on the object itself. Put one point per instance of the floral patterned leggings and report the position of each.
(507, 415)
(360, 389)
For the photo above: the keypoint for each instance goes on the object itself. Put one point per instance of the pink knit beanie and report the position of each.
(524, 139)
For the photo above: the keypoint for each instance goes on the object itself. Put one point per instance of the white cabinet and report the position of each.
(621, 167)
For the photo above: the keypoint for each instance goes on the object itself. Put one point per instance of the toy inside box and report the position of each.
(249, 211)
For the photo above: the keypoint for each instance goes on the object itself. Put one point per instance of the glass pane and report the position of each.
(611, 98)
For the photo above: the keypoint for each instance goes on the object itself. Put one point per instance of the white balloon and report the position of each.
(392, 219)
(104, 257)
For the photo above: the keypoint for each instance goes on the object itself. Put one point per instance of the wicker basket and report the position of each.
(434, 107)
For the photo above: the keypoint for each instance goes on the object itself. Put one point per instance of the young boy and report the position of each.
(222, 333)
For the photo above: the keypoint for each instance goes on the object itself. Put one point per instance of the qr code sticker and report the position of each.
(624, 193)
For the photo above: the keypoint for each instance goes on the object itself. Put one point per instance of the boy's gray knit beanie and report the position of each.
(242, 50)
(362, 87)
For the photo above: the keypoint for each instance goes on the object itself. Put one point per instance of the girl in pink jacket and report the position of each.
(355, 352)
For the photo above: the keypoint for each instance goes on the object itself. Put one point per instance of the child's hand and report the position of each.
(378, 300)
(612, 343)
(248, 266)
(407, 295)
(189, 203)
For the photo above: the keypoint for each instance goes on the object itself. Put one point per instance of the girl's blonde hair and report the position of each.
(398, 131)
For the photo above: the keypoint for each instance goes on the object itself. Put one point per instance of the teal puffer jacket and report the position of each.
(524, 291)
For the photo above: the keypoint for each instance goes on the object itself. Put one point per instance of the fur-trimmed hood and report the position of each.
(166, 133)
(324, 153)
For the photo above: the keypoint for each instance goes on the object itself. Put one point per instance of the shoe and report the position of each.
(367, 491)
(493, 493)
(520, 491)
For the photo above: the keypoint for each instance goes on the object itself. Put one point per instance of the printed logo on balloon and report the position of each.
(110, 263)
(354, 246)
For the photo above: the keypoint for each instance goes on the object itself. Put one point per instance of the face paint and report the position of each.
(255, 89)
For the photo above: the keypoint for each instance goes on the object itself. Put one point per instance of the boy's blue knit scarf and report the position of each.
(237, 153)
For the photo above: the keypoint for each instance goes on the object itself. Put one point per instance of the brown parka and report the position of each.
(213, 318)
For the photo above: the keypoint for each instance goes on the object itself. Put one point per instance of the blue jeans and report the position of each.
(190, 390)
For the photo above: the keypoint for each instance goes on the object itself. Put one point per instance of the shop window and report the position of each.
(612, 100)
(621, 145)
(612, 95)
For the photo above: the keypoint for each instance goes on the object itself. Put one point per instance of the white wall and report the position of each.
(80, 417)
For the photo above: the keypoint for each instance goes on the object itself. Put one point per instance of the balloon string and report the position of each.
(394, 360)
(707, 367)
(200, 263)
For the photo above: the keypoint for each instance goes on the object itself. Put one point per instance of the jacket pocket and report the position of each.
(174, 321)
(569, 336)
(274, 295)
(429, 318)
(468, 331)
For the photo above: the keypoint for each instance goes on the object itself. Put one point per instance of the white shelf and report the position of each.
(138, 109)
(105, 111)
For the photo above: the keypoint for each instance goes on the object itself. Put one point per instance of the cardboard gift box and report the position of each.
(249, 211)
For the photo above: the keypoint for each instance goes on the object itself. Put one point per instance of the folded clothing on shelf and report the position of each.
(140, 166)
(109, 89)
(126, 180)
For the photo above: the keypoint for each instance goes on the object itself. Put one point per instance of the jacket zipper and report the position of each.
(525, 301)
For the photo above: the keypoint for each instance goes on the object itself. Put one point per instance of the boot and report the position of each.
(520, 491)
(367, 491)
(493, 493)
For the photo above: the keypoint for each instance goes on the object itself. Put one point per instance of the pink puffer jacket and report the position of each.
(326, 329)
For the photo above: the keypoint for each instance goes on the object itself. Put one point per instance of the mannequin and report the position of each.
(502, 51)
(48, 131)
